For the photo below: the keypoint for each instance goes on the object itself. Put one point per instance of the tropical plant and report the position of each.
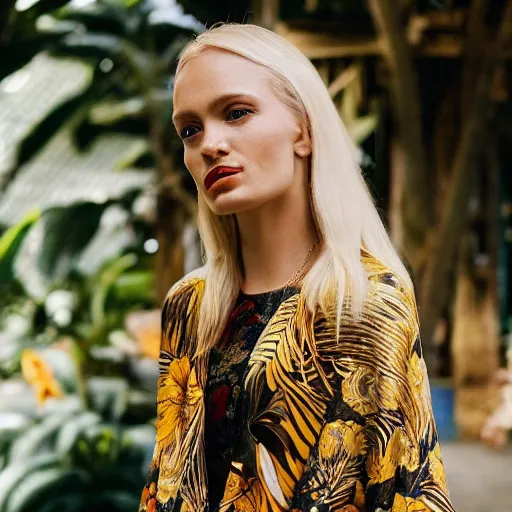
(132, 46)
(59, 277)
(79, 450)
(76, 433)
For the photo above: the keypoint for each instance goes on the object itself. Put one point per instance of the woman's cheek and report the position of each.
(191, 167)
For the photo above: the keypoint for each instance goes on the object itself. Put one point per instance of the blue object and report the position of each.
(443, 405)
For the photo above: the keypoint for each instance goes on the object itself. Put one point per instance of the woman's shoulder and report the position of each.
(180, 313)
(390, 298)
(189, 286)
(383, 281)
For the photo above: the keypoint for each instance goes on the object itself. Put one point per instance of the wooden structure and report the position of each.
(437, 77)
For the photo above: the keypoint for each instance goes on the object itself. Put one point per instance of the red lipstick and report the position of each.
(219, 172)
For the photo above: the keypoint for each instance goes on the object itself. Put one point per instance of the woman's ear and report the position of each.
(302, 145)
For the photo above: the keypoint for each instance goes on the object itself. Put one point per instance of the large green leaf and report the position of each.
(72, 429)
(108, 396)
(97, 17)
(33, 441)
(42, 132)
(165, 33)
(41, 485)
(100, 46)
(109, 112)
(134, 286)
(85, 132)
(106, 279)
(64, 233)
(139, 155)
(15, 473)
(11, 241)
(39, 7)
(22, 50)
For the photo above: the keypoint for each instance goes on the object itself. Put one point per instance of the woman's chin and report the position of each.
(227, 204)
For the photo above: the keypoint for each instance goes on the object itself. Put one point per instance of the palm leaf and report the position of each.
(39, 486)
(22, 50)
(42, 132)
(138, 155)
(15, 473)
(11, 241)
(98, 18)
(65, 232)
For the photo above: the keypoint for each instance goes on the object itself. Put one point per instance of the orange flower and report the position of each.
(151, 506)
(178, 397)
(37, 373)
(145, 495)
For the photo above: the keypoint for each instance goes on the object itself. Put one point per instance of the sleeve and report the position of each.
(178, 323)
(378, 448)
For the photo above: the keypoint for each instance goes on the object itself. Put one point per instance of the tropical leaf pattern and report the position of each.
(336, 424)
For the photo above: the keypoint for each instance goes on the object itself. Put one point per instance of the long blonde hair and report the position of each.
(342, 206)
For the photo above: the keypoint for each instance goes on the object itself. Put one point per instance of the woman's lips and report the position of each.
(218, 173)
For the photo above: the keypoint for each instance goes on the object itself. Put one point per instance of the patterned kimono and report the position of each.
(282, 416)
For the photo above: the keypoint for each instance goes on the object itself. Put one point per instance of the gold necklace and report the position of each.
(298, 274)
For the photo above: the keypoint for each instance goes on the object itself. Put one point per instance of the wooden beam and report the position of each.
(324, 45)
(322, 67)
(446, 19)
(475, 44)
(416, 204)
(320, 44)
(310, 5)
(266, 12)
(446, 46)
(342, 80)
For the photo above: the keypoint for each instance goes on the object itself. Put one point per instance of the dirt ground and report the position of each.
(479, 479)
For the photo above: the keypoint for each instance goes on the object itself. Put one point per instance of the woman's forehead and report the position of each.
(207, 76)
(217, 67)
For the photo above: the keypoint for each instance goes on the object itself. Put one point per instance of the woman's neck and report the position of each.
(275, 241)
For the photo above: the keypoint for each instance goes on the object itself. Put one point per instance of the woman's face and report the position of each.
(243, 145)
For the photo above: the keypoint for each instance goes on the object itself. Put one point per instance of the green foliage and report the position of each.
(10, 243)
(131, 47)
(68, 278)
(77, 458)
(66, 232)
(23, 40)
(91, 447)
(42, 132)
(61, 294)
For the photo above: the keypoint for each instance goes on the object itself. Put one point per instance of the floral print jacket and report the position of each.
(335, 425)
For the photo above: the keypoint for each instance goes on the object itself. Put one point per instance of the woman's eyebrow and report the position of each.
(177, 116)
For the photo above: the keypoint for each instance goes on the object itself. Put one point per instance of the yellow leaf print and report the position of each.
(360, 391)
(340, 438)
(380, 468)
(402, 504)
(178, 396)
(436, 466)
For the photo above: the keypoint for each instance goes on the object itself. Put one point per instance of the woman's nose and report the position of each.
(214, 145)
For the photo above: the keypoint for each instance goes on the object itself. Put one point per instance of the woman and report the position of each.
(291, 374)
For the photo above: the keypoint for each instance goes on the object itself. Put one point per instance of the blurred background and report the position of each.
(97, 220)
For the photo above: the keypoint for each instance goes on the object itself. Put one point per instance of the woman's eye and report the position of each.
(238, 113)
(188, 132)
